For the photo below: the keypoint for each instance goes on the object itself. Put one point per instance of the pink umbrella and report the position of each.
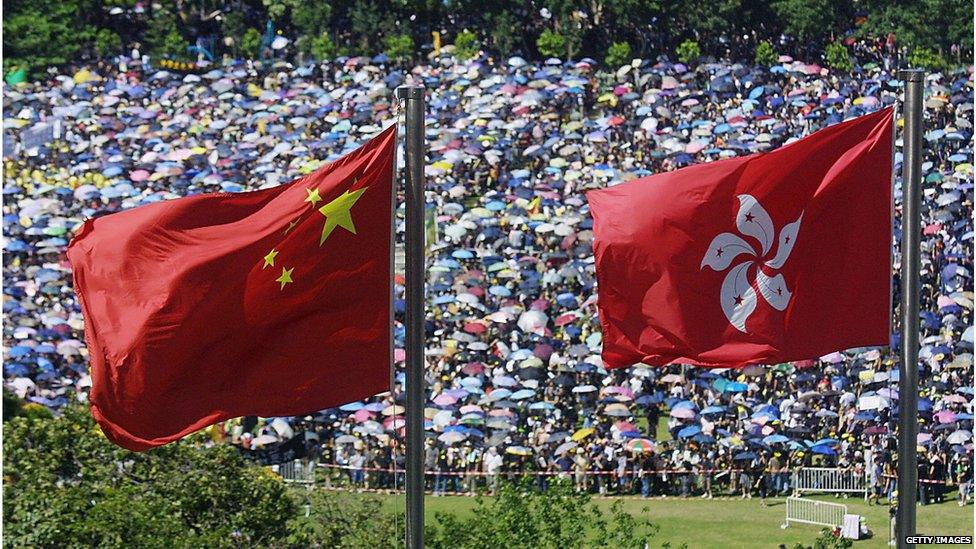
(139, 175)
(471, 409)
(475, 328)
(399, 355)
(946, 416)
(444, 400)
(363, 415)
(395, 422)
(473, 368)
(624, 426)
(565, 319)
(958, 399)
(683, 413)
(923, 437)
(933, 228)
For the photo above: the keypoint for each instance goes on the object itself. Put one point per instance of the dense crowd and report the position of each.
(514, 376)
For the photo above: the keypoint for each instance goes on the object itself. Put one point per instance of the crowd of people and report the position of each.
(515, 383)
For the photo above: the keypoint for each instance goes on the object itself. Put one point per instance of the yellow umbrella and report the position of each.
(582, 433)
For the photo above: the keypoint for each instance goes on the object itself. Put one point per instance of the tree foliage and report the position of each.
(43, 33)
(551, 43)
(765, 54)
(618, 54)
(522, 516)
(688, 51)
(837, 57)
(67, 486)
(399, 46)
(465, 45)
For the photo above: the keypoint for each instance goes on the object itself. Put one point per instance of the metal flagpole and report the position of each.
(910, 249)
(415, 153)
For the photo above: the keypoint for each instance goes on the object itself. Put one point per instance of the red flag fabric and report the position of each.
(275, 302)
(762, 259)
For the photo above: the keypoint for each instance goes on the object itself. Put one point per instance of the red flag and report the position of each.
(269, 303)
(755, 260)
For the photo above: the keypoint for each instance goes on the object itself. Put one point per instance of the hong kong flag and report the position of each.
(762, 259)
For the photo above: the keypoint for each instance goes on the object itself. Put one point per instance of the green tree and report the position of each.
(251, 43)
(107, 42)
(67, 486)
(399, 46)
(765, 54)
(551, 43)
(338, 519)
(504, 31)
(810, 19)
(924, 58)
(618, 54)
(321, 47)
(838, 58)
(11, 404)
(688, 51)
(932, 24)
(521, 516)
(38, 34)
(163, 35)
(465, 45)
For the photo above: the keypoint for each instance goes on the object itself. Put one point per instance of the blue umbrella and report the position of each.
(683, 404)
(19, 351)
(736, 387)
(744, 456)
(689, 431)
(713, 410)
(775, 439)
(462, 254)
(499, 291)
(825, 450)
(522, 394)
(352, 407)
(826, 442)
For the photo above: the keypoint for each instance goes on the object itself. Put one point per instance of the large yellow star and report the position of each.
(313, 196)
(337, 213)
(269, 259)
(285, 277)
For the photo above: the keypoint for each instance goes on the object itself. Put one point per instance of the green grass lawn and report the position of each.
(731, 523)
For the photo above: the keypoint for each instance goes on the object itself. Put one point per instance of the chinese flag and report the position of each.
(269, 303)
(756, 260)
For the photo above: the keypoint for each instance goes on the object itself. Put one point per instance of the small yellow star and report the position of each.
(269, 259)
(292, 224)
(313, 196)
(337, 213)
(285, 277)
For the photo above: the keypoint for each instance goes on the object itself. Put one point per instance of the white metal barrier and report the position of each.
(830, 480)
(296, 472)
(811, 511)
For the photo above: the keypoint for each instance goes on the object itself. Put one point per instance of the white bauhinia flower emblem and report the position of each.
(738, 291)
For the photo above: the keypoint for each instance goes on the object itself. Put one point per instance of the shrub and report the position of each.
(465, 45)
(765, 54)
(322, 47)
(399, 46)
(688, 51)
(618, 54)
(838, 58)
(924, 58)
(551, 43)
(251, 43)
(107, 42)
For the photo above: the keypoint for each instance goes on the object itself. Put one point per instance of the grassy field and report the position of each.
(733, 523)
